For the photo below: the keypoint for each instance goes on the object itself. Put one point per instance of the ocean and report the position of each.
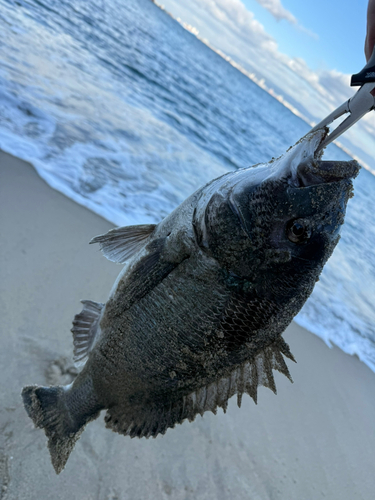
(121, 109)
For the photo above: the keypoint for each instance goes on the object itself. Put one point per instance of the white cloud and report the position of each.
(336, 85)
(308, 32)
(234, 15)
(275, 8)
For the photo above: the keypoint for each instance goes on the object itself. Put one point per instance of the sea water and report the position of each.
(124, 111)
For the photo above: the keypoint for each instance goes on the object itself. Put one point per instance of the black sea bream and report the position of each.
(197, 313)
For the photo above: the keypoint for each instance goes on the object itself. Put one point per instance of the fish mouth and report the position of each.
(302, 164)
(314, 172)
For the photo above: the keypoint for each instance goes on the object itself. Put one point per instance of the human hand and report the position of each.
(370, 35)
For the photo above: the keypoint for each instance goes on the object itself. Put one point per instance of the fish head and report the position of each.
(281, 219)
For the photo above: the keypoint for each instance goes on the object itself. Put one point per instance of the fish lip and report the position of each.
(318, 153)
(326, 171)
(307, 167)
(315, 172)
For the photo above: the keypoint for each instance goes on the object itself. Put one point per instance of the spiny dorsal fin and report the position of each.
(153, 420)
(86, 330)
(119, 244)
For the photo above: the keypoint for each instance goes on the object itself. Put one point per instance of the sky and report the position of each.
(326, 34)
(304, 52)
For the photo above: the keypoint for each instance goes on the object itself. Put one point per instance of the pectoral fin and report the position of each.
(147, 273)
(119, 244)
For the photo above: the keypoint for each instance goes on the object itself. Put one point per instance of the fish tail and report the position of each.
(48, 407)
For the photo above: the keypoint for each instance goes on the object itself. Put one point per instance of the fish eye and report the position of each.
(298, 231)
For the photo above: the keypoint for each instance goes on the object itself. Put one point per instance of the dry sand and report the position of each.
(314, 440)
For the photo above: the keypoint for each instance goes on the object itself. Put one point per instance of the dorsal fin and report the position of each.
(119, 244)
(152, 420)
(86, 330)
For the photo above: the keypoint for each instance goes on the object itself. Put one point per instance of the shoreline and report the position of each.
(315, 439)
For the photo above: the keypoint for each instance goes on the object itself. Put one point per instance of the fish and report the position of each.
(197, 313)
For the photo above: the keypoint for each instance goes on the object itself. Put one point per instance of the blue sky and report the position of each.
(339, 26)
(302, 52)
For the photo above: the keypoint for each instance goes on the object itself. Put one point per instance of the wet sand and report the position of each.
(315, 439)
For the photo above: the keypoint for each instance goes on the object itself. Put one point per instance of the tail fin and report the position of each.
(46, 406)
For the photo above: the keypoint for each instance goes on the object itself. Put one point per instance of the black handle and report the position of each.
(366, 75)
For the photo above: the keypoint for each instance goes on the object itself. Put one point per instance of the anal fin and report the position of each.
(86, 330)
(151, 420)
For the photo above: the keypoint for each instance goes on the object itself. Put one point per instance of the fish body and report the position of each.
(197, 313)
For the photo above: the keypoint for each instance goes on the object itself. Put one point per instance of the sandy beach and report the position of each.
(314, 440)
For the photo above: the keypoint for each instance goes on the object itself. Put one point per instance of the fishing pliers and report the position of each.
(361, 103)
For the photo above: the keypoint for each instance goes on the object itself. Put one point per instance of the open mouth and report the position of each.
(302, 165)
(313, 172)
